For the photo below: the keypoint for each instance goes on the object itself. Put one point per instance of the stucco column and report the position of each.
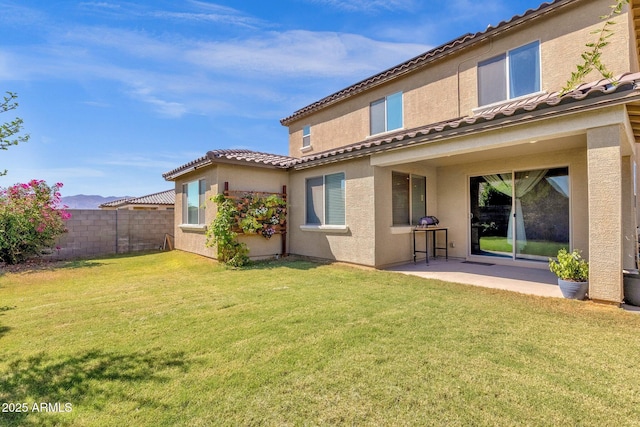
(604, 164)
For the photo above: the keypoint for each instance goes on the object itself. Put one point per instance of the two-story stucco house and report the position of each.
(473, 132)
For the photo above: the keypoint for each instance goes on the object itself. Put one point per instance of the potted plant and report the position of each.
(573, 273)
(632, 287)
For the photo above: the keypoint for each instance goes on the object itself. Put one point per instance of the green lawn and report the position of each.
(533, 247)
(175, 339)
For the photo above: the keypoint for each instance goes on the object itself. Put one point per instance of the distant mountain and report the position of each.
(82, 201)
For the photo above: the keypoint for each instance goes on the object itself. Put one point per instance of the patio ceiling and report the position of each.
(530, 148)
(634, 118)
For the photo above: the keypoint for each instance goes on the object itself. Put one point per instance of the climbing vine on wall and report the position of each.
(246, 213)
(593, 56)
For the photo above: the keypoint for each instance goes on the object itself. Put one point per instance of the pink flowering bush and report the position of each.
(31, 217)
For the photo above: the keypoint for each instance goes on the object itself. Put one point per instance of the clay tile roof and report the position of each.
(167, 197)
(250, 156)
(627, 87)
(192, 165)
(241, 156)
(595, 94)
(424, 59)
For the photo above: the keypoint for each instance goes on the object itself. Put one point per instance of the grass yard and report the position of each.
(175, 339)
(533, 247)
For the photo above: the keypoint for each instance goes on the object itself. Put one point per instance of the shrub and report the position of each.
(251, 213)
(222, 235)
(31, 217)
(570, 266)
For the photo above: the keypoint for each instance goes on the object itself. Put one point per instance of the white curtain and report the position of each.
(560, 184)
(525, 182)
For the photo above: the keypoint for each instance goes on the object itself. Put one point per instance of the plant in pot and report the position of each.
(573, 273)
(632, 287)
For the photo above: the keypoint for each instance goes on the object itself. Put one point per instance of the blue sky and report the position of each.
(115, 93)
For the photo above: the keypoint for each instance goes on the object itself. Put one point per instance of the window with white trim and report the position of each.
(386, 114)
(325, 200)
(193, 202)
(509, 75)
(306, 136)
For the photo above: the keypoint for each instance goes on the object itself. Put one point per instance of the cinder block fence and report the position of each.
(105, 232)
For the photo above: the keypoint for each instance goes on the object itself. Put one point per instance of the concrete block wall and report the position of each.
(106, 232)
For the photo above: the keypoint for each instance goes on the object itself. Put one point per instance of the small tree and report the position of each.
(9, 131)
(31, 217)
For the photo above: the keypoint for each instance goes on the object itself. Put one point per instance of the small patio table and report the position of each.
(433, 231)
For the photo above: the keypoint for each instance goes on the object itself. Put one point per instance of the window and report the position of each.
(510, 75)
(386, 114)
(193, 202)
(408, 197)
(306, 136)
(325, 203)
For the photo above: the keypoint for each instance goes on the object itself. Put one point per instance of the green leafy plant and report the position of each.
(593, 57)
(31, 217)
(570, 266)
(251, 213)
(221, 233)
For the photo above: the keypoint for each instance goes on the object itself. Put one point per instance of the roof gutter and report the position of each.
(431, 135)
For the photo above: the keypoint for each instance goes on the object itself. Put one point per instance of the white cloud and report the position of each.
(206, 13)
(369, 6)
(170, 109)
(50, 175)
(302, 54)
(201, 74)
(100, 4)
(177, 76)
(138, 161)
(239, 20)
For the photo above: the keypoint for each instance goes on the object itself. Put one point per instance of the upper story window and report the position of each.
(193, 202)
(325, 200)
(306, 136)
(386, 114)
(509, 75)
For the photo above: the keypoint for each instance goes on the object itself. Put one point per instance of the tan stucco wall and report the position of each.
(239, 178)
(357, 245)
(431, 95)
(193, 240)
(372, 238)
(255, 179)
(394, 243)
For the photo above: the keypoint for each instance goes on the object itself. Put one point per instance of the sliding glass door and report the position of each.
(520, 215)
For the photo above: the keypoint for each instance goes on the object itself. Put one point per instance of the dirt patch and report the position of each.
(32, 265)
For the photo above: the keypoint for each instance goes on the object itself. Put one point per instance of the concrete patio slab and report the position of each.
(531, 281)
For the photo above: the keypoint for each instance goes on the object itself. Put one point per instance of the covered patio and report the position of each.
(532, 281)
(524, 280)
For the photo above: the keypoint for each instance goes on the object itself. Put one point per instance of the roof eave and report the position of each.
(187, 168)
(506, 120)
